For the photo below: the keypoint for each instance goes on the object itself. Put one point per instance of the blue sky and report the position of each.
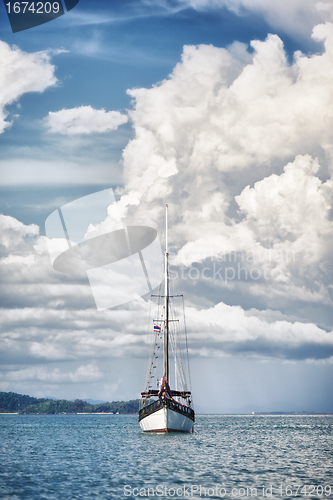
(221, 109)
(107, 49)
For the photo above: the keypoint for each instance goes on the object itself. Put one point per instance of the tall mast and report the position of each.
(166, 300)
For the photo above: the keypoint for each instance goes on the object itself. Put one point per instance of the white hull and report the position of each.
(166, 420)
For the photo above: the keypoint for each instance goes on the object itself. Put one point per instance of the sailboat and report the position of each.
(163, 409)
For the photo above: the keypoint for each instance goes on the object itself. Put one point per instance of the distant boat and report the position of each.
(163, 409)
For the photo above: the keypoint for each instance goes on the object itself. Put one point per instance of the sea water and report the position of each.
(107, 456)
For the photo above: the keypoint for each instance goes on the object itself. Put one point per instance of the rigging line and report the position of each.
(179, 348)
(188, 360)
(180, 369)
(158, 335)
(180, 284)
(181, 357)
(155, 340)
(179, 372)
(150, 374)
(182, 360)
(147, 344)
(180, 343)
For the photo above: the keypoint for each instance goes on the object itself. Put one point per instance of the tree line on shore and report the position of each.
(10, 402)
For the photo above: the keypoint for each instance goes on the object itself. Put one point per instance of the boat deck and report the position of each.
(166, 403)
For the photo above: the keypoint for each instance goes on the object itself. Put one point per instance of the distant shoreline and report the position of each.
(263, 414)
(13, 403)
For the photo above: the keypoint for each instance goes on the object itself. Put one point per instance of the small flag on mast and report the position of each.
(157, 328)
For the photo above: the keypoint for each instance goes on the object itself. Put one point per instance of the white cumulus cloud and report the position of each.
(223, 110)
(84, 120)
(48, 318)
(21, 72)
(232, 330)
(241, 143)
(296, 17)
(84, 373)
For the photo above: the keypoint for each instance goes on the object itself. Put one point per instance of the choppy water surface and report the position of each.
(107, 456)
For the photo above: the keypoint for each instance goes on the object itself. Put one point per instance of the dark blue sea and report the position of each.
(107, 456)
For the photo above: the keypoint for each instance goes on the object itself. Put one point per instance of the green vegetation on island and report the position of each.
(10, 402)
